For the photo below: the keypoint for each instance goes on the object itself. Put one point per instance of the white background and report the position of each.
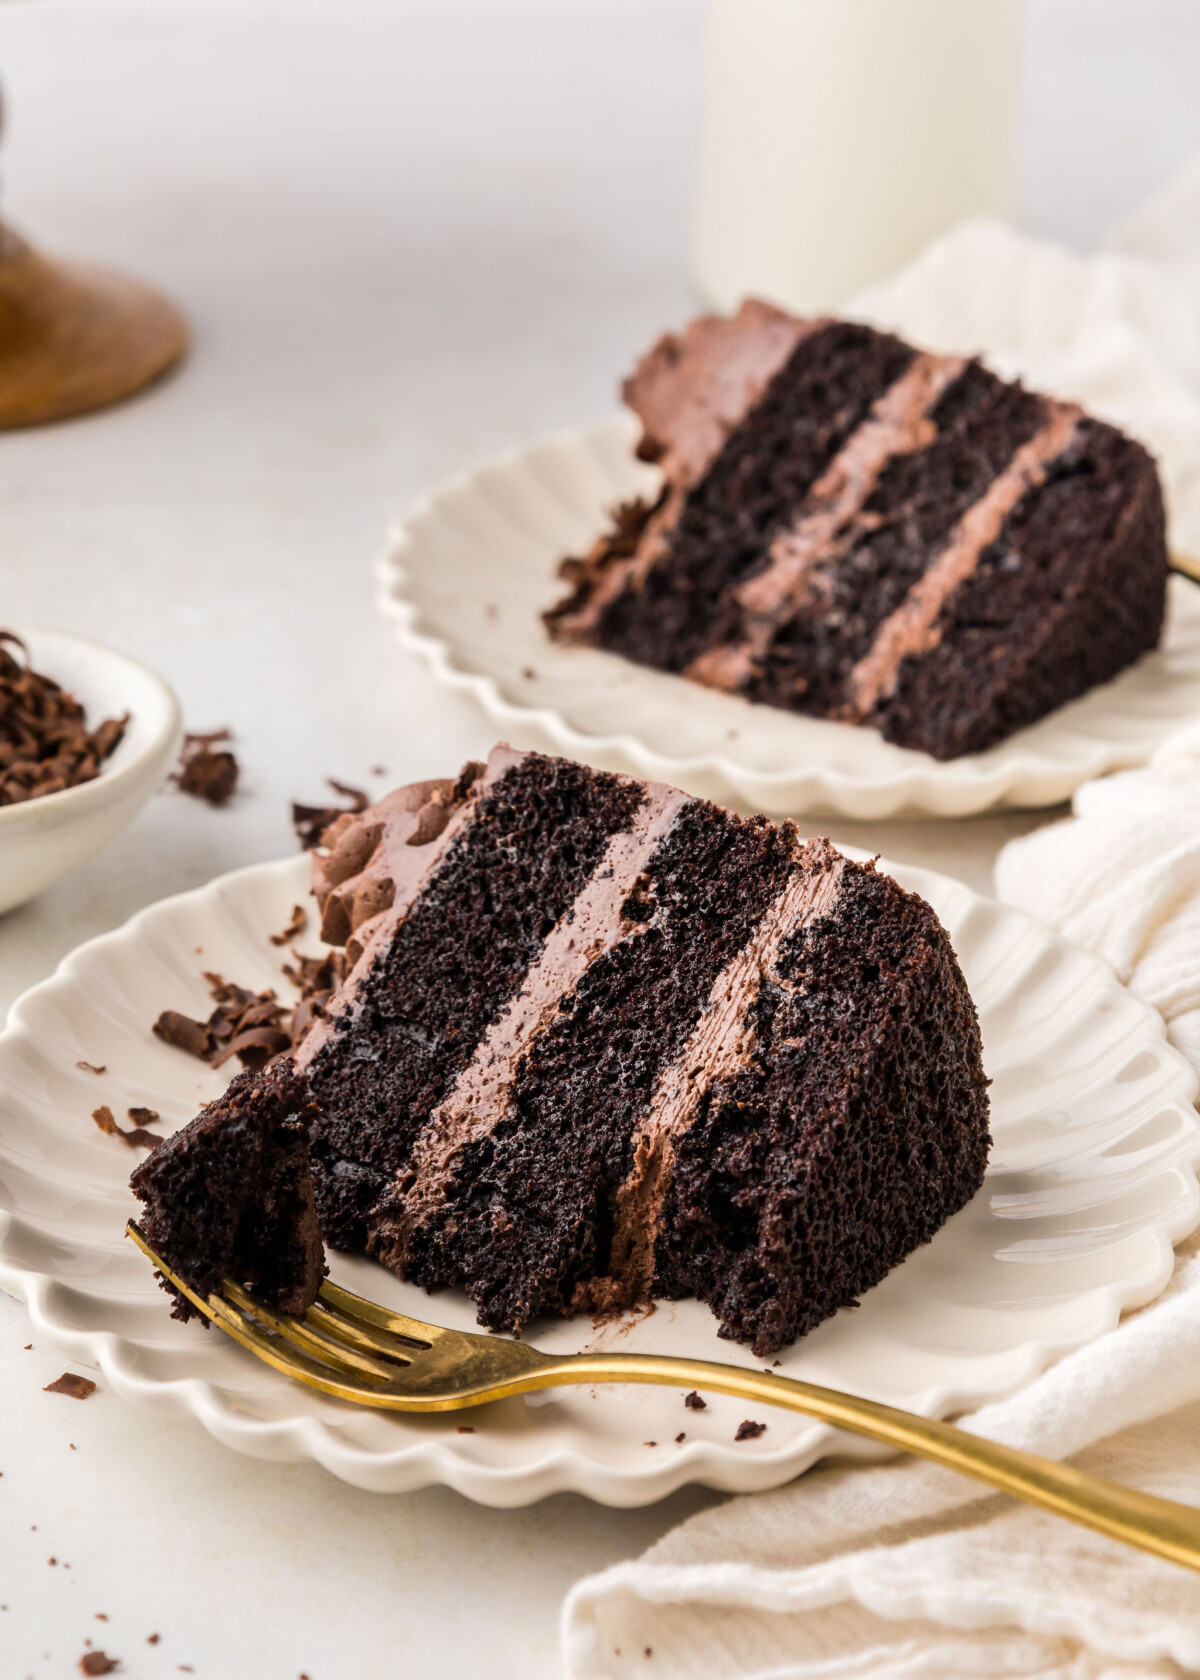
(406, 235)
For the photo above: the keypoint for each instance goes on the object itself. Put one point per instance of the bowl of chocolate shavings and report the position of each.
(86, 736)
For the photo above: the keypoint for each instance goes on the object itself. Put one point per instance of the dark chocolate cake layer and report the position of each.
(603, 1040)
(477, 875)
(833, 534)
(230, 1195)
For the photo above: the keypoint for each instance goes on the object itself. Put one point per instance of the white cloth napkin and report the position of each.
(906, 1572)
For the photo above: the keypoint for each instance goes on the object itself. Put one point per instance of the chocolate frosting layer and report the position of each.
(689, 392)
(693, 387)
(481, 1096)
(377, 862)
(912, 628)
(717, 1049)
(830, 521)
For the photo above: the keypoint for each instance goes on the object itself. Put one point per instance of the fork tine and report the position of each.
(328, 1357)
(327, 1321)
(340, 1357)
(289, 1360)
(363, 1312)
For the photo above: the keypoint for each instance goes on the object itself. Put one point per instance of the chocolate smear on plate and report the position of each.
(45, 743)
(311, 821)
(206, 773)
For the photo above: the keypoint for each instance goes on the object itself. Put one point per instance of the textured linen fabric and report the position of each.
(904, 1571)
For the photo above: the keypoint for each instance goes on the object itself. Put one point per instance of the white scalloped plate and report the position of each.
(468, 573)
(1092, 1180)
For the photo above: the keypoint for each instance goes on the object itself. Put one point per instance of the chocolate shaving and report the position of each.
(77, 1387)
(255, 1026)
(206, 774)
(246, 1046)
(317, 976)
(143, 1116)
(311, 821)
(106, 1120)
(45, 743)
(90, 1067)
(748, 1430)
(137, 1136)
(183, 1032)
(295, 927)
(694, 1402)
(95, 1662)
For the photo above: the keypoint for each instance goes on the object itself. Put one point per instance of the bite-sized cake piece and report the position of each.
(231, 1195)
(603, 1041)
(859, 530)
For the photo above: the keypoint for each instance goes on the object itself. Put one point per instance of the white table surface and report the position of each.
(406, 235)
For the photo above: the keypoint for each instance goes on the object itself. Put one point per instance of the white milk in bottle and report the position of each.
(840, 136)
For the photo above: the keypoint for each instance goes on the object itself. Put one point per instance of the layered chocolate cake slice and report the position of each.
(230, 1195)
(602, 1041)
(855, 529)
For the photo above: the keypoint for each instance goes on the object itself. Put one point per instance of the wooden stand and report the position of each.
(74, 337)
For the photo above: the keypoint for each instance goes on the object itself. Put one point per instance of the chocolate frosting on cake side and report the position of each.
(689, 392)
(374, 865)
(693, 387)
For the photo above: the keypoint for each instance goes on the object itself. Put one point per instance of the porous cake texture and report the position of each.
(230, 1195)
(603, 1041)
(862, 531)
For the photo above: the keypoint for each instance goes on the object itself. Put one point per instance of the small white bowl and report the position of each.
(43, 839)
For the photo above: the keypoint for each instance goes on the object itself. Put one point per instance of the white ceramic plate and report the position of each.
(470, 570)
(1091, 1183)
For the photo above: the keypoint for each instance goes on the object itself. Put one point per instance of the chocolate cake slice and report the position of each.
(602, 1041)
(231, 1195)
(858, 530)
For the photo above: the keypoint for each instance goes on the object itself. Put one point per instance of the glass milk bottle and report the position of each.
(840, 136)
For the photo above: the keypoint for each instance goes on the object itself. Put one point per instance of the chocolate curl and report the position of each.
(203, 773)
(45, 744)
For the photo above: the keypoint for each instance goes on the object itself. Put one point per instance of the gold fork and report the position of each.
(358, 1351)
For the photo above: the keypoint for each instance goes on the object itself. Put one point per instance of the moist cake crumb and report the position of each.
(231, 1195)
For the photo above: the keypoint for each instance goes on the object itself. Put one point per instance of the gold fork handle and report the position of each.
(1159, 1526)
